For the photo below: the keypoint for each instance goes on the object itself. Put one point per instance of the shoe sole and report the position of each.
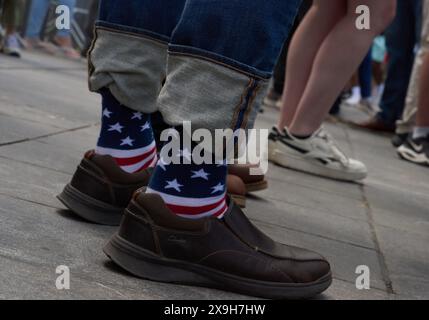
(239, 200)
(89, 208)
(146, 265)
(408, 155)
(304, 165)
(256, 186)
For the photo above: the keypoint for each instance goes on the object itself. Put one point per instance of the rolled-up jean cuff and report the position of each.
(174, 49)
(132, 30)
(210, 95)
(132, 66)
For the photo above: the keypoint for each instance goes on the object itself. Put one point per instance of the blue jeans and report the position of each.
(37, 15)
(401, 39)
(215, 56)
(365, 76)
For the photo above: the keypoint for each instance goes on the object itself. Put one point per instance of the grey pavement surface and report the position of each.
(48, 119)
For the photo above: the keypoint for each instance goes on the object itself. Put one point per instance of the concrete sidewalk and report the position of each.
(48, 119)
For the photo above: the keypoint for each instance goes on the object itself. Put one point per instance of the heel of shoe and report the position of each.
(89, 208)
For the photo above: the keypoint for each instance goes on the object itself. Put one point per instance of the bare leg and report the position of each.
(317, 24)
(338, 57)
(423, 104)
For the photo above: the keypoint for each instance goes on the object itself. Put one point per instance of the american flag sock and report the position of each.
(126, 135)
(189, 190)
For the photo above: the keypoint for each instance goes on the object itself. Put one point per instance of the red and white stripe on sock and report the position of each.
(194, 208)
(189, 190)
(132, 161)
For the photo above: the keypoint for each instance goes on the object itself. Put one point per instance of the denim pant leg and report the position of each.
(408, 120)
(71, 4)
(36, 17)
(365, 76)
(401, 39)
(221, 56)
(129, 52)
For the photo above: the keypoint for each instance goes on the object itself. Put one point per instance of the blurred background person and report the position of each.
(361, 92)
(11, 18)
(62, 40)
(415, 121)
(405, 125)
(325, 51)
(402, 37)
(274, 96)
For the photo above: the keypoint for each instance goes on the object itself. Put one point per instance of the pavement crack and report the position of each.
(48, 135)
(29, 201)
(380, 255)
(312, 234)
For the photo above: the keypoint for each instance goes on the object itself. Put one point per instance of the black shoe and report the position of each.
(415, 150)
(229, 254)
(399, 139)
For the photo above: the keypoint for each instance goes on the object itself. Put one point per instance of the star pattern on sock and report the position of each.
(127, 141)
(174, 184)
(116, 127)
(200, 174)
(106, 113)
(137, 115)
(218, 188)
(146, 126)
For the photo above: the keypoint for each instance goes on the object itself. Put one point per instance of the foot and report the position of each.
(11, 46)
(100, 190)
(317, 155)
(415, 151)
(399, 139)
(229, 254)
(272, 100)
(66, 47)
(375, 124)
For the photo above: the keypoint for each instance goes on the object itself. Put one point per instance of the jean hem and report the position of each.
(133, 31)
(174, 49)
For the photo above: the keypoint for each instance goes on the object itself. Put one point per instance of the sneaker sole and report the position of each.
(146, 265)
(408, 155)
(89, 208)
(304, 165)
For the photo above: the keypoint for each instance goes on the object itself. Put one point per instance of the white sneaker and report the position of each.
(11, 46)
(355, 97)
(317, 155)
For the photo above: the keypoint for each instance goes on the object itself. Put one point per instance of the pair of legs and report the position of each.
(362, 81)
(211, 80)
(325, 51)
(36, 18)
(415, 148)
(11, 19)
(402, 37)
(408, 120)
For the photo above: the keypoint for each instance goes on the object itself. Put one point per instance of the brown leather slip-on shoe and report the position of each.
(375, 124)
(229, 254)
(237, 190)
(252, 182)
(100, 190)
